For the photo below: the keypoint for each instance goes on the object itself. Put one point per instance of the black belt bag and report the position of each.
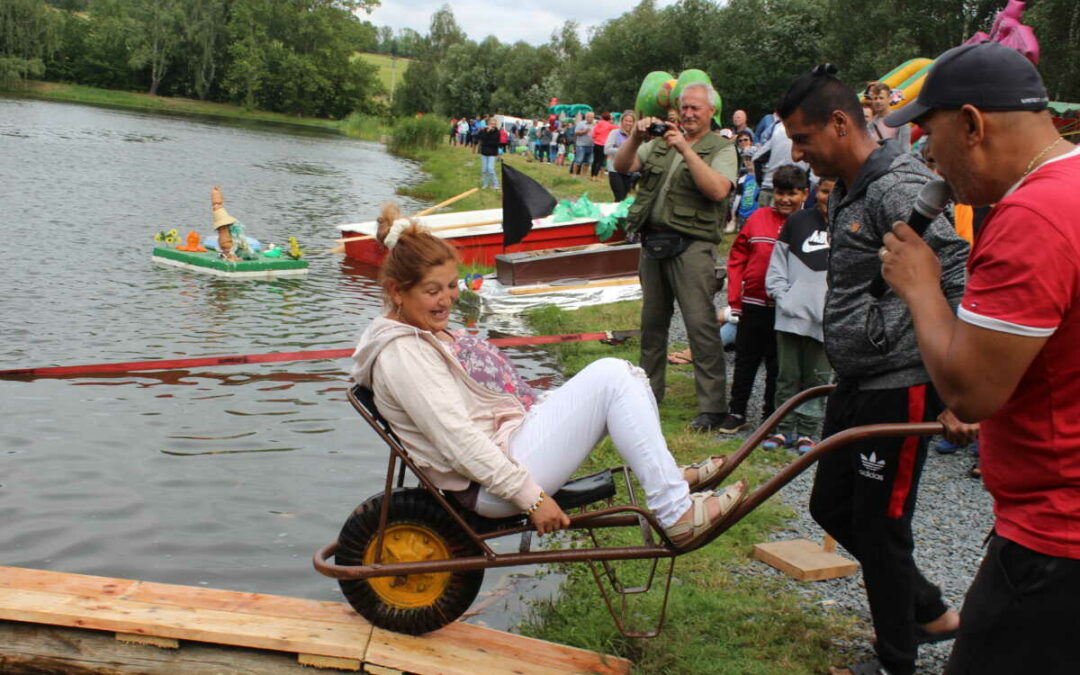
(664, 244)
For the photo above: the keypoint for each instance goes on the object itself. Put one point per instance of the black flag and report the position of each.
(523, 200)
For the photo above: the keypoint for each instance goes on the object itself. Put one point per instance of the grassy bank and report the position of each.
(453, 170)
(722, 617)
(77, 93)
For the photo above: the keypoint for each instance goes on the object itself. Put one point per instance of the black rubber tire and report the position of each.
(416, 507)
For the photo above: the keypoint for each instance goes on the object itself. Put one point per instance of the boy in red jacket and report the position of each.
(749, 304)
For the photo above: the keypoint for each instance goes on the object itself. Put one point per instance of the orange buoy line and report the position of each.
(309, 355)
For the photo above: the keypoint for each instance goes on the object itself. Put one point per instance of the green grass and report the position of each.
(391, 70)
(77, 93)
(453, 170)
(721, 617)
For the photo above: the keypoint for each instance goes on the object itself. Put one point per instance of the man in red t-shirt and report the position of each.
(1010, 357)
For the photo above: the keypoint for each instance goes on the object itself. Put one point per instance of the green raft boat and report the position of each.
(210, 263)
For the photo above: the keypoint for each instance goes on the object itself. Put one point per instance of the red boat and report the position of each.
(479, 244)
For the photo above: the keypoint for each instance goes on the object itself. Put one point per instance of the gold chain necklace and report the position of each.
(1031, 164)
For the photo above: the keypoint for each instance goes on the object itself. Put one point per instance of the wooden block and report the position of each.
(465, 649)
(327, 662)
(152, 640)
(804, 560)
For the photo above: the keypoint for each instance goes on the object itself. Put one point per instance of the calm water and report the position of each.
(227, 477)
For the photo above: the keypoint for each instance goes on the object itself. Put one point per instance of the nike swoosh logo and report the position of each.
(807, 247)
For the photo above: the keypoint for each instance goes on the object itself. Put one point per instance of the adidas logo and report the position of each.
(872, 466)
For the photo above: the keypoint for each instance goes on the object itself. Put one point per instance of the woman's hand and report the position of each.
(548, 517)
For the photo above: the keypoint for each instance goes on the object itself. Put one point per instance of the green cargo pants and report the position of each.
(688, 278)
(802, 365)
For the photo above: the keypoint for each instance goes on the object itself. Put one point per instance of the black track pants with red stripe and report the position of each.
(864, 496)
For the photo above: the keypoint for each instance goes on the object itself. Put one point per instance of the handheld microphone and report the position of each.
(931, 202)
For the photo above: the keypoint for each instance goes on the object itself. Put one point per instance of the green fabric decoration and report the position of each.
(605, 227)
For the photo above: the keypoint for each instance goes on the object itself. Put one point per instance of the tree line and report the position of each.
(751, 48)
(302, 56)
(293, 56)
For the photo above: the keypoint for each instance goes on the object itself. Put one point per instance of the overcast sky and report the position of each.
(511, 21)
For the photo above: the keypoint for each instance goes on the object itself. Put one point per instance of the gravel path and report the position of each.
(953, 516)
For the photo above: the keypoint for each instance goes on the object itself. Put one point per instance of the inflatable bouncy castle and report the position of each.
(906, 80)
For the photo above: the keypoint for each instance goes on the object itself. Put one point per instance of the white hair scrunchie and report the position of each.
(395, 233)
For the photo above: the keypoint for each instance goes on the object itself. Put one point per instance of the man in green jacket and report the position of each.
(687, 174)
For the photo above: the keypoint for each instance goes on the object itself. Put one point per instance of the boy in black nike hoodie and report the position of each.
(796, 282)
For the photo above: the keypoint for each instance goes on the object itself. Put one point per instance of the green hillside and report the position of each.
(391, 69)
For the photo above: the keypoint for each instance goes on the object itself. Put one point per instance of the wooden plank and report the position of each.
(177, 596)
(328, 662)
(804, 560)
(204, 625)
(277, 623)
(463, 649)
(571, 287)
(148, 640)
(32, 649)
(62, 582)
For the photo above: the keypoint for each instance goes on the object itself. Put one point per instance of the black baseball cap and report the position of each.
(987, 75)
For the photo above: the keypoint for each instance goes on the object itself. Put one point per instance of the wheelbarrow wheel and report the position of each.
(417, 529)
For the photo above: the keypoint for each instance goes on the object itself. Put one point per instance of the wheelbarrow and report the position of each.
(411, 559)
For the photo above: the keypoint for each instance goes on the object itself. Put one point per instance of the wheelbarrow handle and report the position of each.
(830, 444)
(758, 435)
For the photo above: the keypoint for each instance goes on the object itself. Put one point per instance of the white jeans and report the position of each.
(607, 396)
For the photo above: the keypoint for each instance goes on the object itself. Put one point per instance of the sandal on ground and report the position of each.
(805, 444)
(872, 667)
(709, 473)
(682, 358)
(775, 442)
(687, 534)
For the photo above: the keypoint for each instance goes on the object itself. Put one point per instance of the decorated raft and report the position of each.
(209, 262)
(256, 264)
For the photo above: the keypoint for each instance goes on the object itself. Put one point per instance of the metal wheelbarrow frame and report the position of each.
(427, 572)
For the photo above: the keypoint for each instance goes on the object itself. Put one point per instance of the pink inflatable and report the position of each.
(1009, 31)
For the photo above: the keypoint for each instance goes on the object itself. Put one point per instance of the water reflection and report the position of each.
(228, 476)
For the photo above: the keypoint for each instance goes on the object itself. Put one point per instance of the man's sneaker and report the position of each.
(732, 424)
(706, 423)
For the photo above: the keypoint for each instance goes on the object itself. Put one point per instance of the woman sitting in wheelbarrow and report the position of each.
(476, 428)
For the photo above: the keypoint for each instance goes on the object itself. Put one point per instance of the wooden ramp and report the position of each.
(327, 634)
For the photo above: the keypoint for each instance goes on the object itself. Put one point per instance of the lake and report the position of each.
(227, 477)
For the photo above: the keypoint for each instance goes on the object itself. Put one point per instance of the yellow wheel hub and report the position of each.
(409, 543)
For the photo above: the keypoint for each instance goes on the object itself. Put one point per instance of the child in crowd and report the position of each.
(748, 300)
(746, 195)
(796, 282)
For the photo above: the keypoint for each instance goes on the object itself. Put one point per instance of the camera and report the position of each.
(657, 129)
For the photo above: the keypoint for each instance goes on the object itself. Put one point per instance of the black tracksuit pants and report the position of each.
(755, 342)
(1020, 614)
(864, 496)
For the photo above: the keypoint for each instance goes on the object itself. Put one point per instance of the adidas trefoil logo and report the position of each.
(872, 466)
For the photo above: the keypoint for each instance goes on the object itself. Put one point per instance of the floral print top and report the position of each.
(486, 364)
